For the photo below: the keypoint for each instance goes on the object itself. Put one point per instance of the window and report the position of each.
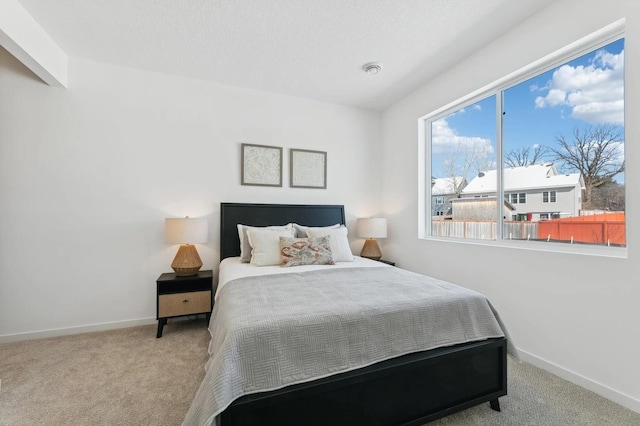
(519, 198)
(561, 126)
(549, 196)
(438, 200)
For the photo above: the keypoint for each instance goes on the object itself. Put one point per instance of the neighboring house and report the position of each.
(470, 218)
(537, 192)
(480, 209)
(443, 190)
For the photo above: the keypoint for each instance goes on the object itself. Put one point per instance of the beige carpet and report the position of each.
(128, 377)
(117, 377)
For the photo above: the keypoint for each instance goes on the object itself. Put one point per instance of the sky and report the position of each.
(586, 91)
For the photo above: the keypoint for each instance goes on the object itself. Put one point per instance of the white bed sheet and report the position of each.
(232, 268)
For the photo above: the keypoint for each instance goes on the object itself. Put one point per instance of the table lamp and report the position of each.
(186, 232)
(371, 228)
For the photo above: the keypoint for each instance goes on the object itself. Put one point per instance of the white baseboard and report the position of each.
(18, 337)
(595, 387)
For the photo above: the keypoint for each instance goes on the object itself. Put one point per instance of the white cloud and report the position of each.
(444, 140)
(595, 93)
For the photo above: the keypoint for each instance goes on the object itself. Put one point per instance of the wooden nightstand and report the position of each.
(179, 296)
(388, 262)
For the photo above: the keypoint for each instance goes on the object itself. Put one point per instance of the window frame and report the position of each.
(516, 197)
(585, 45)
(552, 197)
(522, 198)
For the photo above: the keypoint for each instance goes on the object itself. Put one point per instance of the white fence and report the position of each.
(483, 230)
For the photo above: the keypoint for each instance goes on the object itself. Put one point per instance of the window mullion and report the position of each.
(500, 182)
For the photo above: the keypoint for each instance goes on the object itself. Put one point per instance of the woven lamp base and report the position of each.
(371, 250)
(187, 261)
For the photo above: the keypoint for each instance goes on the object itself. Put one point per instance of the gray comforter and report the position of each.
(276, 330)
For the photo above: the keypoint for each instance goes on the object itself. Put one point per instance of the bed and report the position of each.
(409, 387)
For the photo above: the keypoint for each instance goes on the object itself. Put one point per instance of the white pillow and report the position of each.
(301, 230)
(265, 245)
(339, 243)
(245, 247)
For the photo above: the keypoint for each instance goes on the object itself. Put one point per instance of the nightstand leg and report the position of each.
(208, 314)
(161, 324)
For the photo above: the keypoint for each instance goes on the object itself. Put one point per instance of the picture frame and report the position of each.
(261, 165)
(308, 169)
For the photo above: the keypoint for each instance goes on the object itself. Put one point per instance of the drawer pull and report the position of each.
(185, 300)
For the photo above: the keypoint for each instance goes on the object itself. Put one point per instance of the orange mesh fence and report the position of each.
(597, 229)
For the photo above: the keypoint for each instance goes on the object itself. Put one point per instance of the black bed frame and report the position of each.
(409, 390)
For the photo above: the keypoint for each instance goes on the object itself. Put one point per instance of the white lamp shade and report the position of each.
(186, 230)
(373, 227)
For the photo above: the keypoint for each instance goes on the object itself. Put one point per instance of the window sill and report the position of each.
(541, 246)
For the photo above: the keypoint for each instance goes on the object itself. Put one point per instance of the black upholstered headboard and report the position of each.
(231, 214)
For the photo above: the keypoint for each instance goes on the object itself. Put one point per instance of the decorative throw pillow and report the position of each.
(305, 251)
(339, 243)
(265, 245)
(245, 247)
(301, 230)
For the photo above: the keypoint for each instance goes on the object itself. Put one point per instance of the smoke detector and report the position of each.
(372, 68)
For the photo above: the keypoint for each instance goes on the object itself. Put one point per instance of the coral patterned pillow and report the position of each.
(305, 251)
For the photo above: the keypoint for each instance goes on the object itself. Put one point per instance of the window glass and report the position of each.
(562, 141)
(565, 128)
(463, 149)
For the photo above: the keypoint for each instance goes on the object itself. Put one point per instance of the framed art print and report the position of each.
(261, 165)
(308, 169)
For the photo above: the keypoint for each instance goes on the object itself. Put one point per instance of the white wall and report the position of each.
(576, 315)
(88, 174)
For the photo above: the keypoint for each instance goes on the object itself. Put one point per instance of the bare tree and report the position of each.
(595, 153)
(464, 160)
(524, 156)
(457, 173)
(609, 196)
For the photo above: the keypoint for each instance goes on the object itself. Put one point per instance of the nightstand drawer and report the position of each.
(196, 302)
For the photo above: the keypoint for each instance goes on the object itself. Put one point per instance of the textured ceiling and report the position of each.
(308, 48)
